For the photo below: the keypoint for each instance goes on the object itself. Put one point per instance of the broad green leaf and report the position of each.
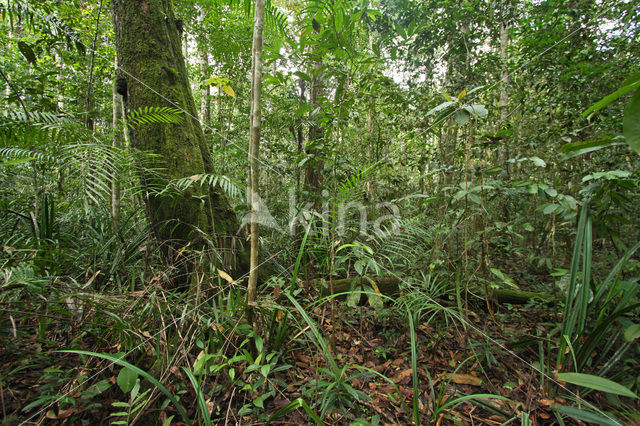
(632, 83)
(441, 107)
(590, 143)
(608, 175)
(475, 199)
(96, 389)
(631, 122)
(259, 401)
(265, 369)
(538, 161)
(498, 273)
(597, 383)
(632, 332)
(587, 416)
(503, 277)
(569, 202)
(27, 52)
(354, 298)
(528, 227)
(475, 89)
(126, 379)
(550, 208)
(551, 192)
(477, 110)
(462, 117)
(375, 302)
(210, 81)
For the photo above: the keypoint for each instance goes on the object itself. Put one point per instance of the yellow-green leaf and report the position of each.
(597, 383)
(229, 91)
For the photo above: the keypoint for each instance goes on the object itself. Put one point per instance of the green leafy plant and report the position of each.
(598, 307)
(121, 362)
(137, 400)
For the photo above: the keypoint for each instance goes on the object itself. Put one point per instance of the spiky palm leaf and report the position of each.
(232, 188)
(152, 115)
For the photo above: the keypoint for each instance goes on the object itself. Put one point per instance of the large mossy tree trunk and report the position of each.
(152, 73)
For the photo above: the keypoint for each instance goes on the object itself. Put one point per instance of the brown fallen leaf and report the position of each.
(402, 375)
(397, 362)
(222, 274)
(463, 379)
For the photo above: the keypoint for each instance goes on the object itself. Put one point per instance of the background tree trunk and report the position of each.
(118, 137)
(254, 148)
(203, 56)
(152, 73)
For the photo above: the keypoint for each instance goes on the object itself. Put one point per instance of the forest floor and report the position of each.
(490, 356)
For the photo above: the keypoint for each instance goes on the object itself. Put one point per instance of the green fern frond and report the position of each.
(352, 187)
(16, 12)
(16, 118)
(19, 155)
(96, 165)
(25, 13)
(274, 17)
(152, 115)
(231, 188)
(40, 129)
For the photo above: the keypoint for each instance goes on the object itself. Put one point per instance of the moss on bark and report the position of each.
(148, 44)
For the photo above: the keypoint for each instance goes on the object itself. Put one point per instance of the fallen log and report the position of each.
(388, 286)
(501, 295)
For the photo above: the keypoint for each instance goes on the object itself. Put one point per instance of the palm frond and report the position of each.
(232, 188)
(274, 16)
(19, 155)
(40, 129)
(153, 115)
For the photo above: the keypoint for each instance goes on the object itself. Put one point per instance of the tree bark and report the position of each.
(254, 148)
(118, 137)
(205, 102)
(152, 73)
(504, 83)
(313, 174)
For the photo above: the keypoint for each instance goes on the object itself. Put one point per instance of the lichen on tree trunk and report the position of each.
(153, 74)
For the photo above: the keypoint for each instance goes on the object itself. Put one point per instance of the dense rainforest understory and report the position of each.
(320, 212)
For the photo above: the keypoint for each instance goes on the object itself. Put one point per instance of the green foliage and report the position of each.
(597, 383)
(121, 362)
(498, 185)
(233, 189)
(152, 115)
(598, 307)
(424, 299)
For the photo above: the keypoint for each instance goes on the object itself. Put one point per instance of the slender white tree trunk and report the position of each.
(254, 147)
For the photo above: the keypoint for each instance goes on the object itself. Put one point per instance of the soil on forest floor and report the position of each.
(492, 356)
